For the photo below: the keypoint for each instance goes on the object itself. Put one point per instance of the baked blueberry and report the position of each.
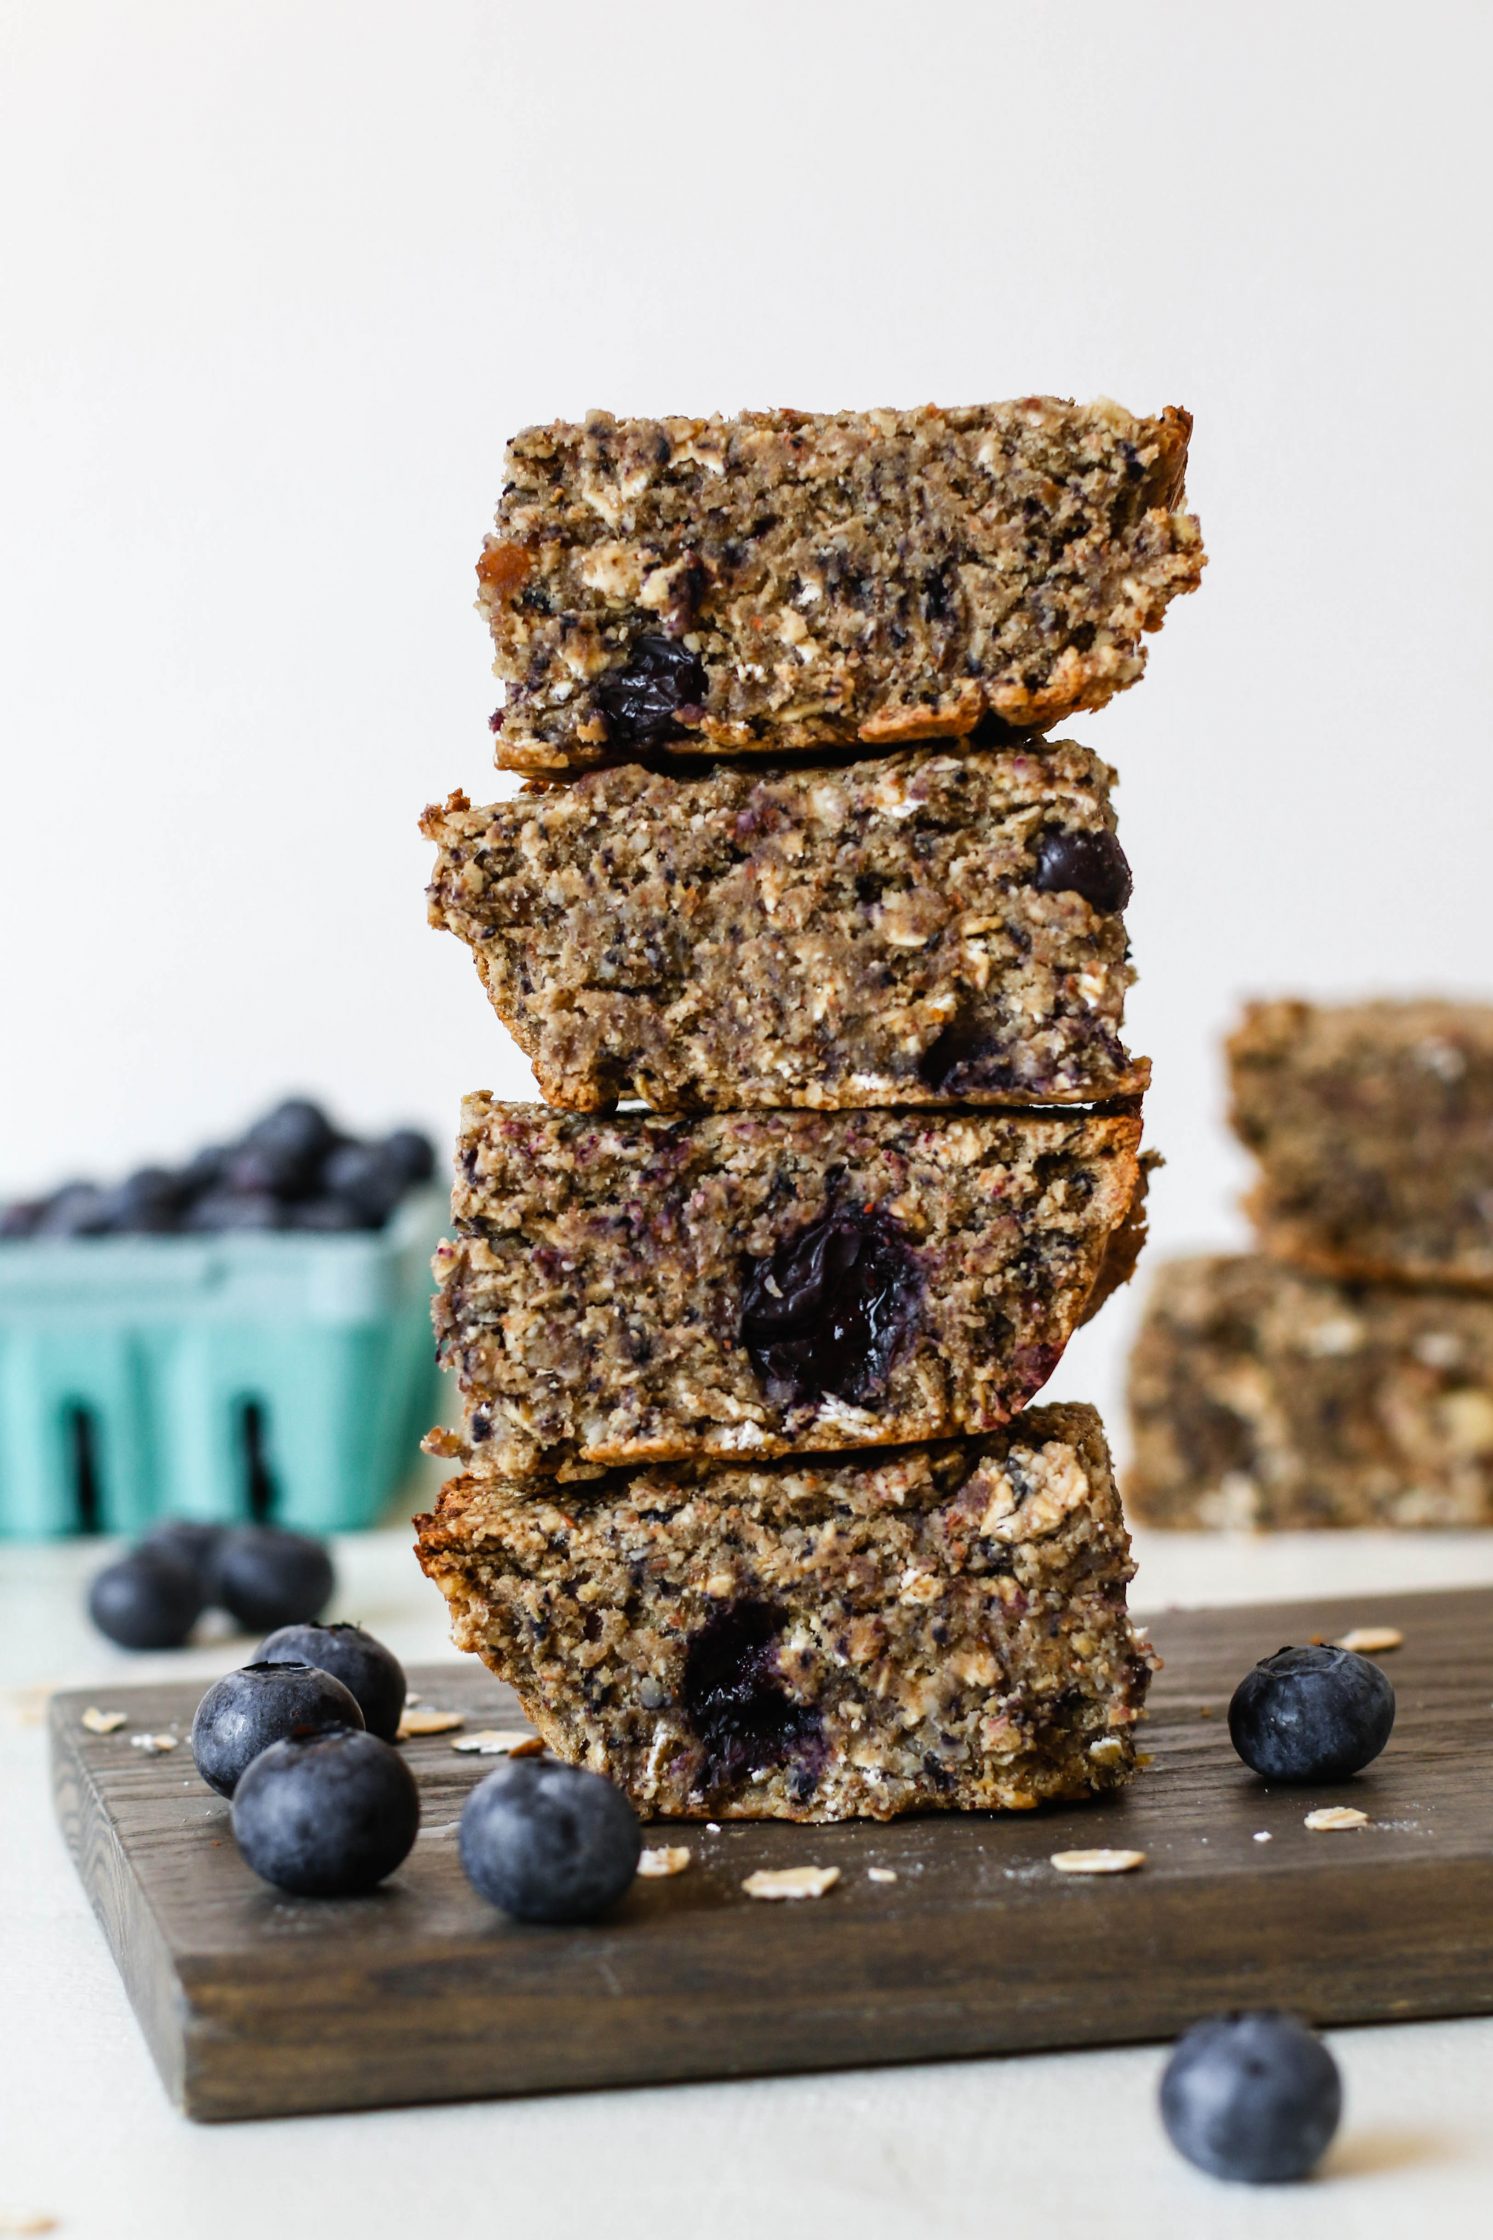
(327, 1816)
(829, 1311)
(1314, 1714)
(548, 1842)
(194, 1543)
(733, 1695)
(1256, 2097)
(148, 1599)
(247, 1710)
(267, 1577)
(369, 1671)
(1088, 863)
(662, 687)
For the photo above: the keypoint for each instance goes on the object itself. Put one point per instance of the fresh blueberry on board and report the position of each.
(372, 1674)
(268, 1578)
(1313, 1715)
(247, 1710)
(1254, 2097)
(326, 1816)
(149, 1598)
(193, 1542)
(548, 1842)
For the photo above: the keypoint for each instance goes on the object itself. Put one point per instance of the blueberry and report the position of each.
(547, 1842)
(148, 1599)
(297, 1133)
(194, 1543)
(662, 685)
(222, 1211)
(362, 1177)
(1255, 2097)
(146, 1203)
(327, 1816)
(732, 1693)
(204, 1170)
(409, 1154)
(369, 1671)
(20, 1219)
(1314, 1715)
(76, 1210)
(1088, 863)
(247, 1710)
(830, 1310)
(324, 1217)
(269, 1578)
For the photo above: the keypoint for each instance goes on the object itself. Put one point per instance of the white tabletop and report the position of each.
(1057, 2144)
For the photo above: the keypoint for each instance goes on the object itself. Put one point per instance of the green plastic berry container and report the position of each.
(285, 1377)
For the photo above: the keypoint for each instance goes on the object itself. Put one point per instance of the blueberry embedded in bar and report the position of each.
(787, 580)
(635, 1288)
(938, 1628)
(937, 926)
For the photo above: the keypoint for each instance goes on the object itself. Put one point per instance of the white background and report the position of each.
(282, 277)
(278, 279)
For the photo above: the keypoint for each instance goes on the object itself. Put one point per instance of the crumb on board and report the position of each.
(500, 1742)
(1336, 1816)
(153, 1744)
(664, 1859)
(1371, 1641)
(1263, 1835)
(791, 1882)
(881, 1874)
(103, 1722)
(425, 1719)
(1097, 1862)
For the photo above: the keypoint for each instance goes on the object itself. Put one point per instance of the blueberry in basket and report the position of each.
(326, 1815)
(292, 1169)
(548, 1842)
(372, 1674)
(1314, 1714)
(1252, 2097)
(246, 1711)
(265, 1577)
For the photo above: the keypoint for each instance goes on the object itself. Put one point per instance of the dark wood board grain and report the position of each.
(258, 2005)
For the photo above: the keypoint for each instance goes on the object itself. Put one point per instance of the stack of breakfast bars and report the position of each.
(816, 947)
(1342, 1374)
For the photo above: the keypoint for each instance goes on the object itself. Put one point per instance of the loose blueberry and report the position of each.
(547, 1842)
(1088, 863)
(662, 685)
(192, 1543)
(830, 1310)
(269, 1578)
(1315, 1714)
(1255, 2097)
(370, 1672)
(409, 1154)
(327, 1816)
(361, 1176)
(148, 1599)
(247, 1710)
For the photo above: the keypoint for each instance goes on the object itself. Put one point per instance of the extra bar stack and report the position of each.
(749, 1513)
(1343, 1373)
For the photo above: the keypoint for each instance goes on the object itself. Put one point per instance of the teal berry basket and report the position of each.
(281, 1377)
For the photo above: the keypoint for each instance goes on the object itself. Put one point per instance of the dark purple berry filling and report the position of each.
(831, 1309)
(1088, 863)
(961, 1059)
(662, 688)
(734, 1698)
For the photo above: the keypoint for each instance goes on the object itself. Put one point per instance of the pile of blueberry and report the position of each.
(152, 1596)
(293, 1169)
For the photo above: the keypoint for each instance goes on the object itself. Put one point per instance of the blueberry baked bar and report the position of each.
(1262, 1396)
(635, 1288)
(920, 1629)
(1373, 1126)
(930, 928)
(790, 579)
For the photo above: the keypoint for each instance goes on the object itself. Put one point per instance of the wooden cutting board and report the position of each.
(256, 2005)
